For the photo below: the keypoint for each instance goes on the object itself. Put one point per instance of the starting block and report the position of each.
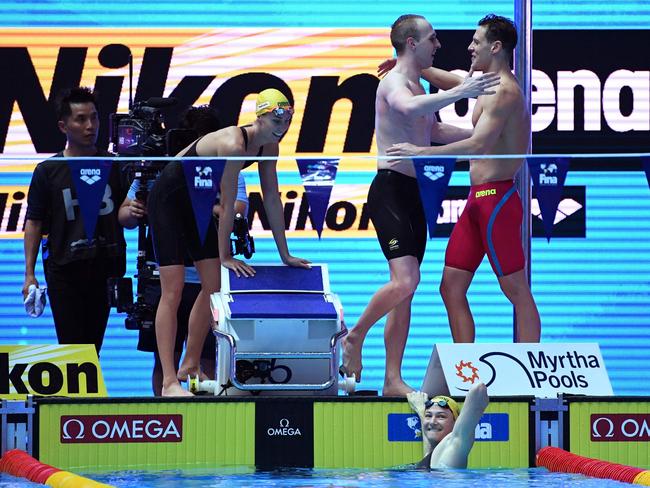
(277, 332)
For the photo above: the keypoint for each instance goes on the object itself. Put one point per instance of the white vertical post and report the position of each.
(523, 61)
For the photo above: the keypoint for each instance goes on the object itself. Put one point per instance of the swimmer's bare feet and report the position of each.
(175, 390)
(396, 388)
(185, 371)
(351, 360)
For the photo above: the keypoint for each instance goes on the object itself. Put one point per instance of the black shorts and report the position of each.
(147, 337)
(171, 220)
(396, 211)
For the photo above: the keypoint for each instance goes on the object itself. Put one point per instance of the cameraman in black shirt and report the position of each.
(76, 267)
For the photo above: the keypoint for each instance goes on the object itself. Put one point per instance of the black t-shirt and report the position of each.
(52, 199)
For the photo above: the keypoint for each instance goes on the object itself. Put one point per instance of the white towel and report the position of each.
(35, 301)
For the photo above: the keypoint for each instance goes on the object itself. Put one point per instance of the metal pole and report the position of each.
(523, 71)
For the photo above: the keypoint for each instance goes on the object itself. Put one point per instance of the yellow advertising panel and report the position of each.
(146, 434)
(615, 431)
(50, 370)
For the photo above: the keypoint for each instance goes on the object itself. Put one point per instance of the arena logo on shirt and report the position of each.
(90, 176)
(94, 429)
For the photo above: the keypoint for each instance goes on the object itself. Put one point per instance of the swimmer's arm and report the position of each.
(417, 401)
(272, 203)
(489, 127)
(474, 405)
(402, 100)
(441, 78)
(447, 133)
(273, 207)
(228, 191)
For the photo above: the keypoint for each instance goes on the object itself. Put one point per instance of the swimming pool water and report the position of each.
(248, 477)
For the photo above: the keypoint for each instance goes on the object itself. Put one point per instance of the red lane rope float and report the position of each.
(20, 464)
(559, 460)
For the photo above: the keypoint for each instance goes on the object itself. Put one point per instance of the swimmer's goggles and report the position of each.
(443, 402)
(282, 111)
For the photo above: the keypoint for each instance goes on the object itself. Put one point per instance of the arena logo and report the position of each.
(93, 429)
(493, 427)
(601, 101)
(620, 427)
(485, 193)
(283, 430)
(46, 378)
(434, 173)
(90, 175)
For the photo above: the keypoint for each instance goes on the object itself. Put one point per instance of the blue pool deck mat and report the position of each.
(278, 278)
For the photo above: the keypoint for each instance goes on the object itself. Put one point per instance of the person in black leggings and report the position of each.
(173, 229)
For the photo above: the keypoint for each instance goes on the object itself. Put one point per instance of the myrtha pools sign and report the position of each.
(520, 369)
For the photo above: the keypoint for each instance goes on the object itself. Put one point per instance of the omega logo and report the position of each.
(283, 430)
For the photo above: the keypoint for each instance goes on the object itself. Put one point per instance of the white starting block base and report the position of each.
(280, 328)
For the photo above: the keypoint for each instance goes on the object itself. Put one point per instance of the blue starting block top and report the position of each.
(281, 306)
(279, 278)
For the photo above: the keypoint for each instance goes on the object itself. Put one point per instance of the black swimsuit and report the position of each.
(171, 216)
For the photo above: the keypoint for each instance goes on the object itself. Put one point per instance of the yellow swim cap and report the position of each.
(445, 402)
(271, 99)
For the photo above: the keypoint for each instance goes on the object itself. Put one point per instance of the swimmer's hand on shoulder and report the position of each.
(386, 66)
(480, 85)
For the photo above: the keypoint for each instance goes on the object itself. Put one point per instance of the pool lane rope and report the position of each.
(20, 464)
(559, 460)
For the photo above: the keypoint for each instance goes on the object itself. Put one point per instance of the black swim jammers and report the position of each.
(396, 211)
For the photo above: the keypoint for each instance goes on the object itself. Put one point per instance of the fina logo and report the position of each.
(434, 172)
(203, 178)
(548, 176)
(90, 176)
(413, 423)
(283, 430)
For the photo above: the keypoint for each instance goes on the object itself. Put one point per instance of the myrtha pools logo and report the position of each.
(540, 369)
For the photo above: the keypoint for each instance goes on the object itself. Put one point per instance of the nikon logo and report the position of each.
(46, 378)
